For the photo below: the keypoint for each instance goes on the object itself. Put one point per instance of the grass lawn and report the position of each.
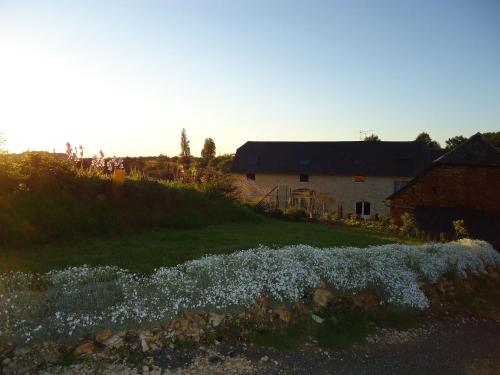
(142, 252)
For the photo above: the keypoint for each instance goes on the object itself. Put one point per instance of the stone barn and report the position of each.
(346, 178)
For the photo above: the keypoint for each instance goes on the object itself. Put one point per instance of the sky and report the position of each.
(127, 76)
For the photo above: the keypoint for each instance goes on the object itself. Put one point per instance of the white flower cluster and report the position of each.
(80, 300)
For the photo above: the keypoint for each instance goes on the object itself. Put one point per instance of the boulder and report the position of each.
(366, 299)
(322, 297)
(114, 342)
(215, 319)
(282, 314)
(85, 347)
(188, 327)
(103, 335)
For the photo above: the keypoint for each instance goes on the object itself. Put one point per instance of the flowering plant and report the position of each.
(80, 300)
(75, 154)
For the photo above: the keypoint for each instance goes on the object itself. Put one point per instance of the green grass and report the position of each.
(144, 251)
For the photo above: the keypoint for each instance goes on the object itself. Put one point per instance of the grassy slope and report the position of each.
(166, 247)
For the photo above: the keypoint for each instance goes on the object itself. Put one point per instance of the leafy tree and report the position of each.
(493, 138)
(372, 138)
(454, 142)
(425, 137)
(208, 151)
(3, 142)
(222, 163)
(185, 154)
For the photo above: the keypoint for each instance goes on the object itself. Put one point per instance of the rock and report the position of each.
(215, 319)
(282, 313)
(6, 361)
(21, 352)
(367, 299)
(144, 336)
(214, 359)
(264, 358)
(114, 342)
(188, 327)
(317, 319)
(86, 347)
(322, 297)
(103, 335)
(259, 309)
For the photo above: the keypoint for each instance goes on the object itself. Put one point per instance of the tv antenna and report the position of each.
(363, 134)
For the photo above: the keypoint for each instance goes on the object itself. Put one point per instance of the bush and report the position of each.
(276, 213)
(409, 225)
(460, 229)
(45, 198)
(295, 214)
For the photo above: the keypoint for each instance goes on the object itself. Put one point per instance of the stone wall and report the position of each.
(336, 189)
(451, 186)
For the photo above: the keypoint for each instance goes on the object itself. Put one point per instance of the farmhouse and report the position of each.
(346, 178)
(462, 184)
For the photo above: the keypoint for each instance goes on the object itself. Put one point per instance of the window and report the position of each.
(363, 208)
(251, 176)
(398, 185)
(359, 178)
(304, 178)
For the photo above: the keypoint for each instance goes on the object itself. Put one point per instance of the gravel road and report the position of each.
(453, 346)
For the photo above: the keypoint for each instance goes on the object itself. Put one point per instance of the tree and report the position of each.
(454, 142)
(372, 138)
(3, 142)
(493, 138)
(425, 137)
(208, 151)
(185, 149)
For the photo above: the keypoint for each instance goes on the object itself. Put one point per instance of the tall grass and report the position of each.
(43, 198)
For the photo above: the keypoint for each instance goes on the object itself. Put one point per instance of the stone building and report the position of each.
(335, 177)
(462, 184)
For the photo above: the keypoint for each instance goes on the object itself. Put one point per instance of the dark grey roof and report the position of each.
(475, 151)
(335, 158)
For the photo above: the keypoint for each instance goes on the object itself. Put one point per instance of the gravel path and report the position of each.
(454, 346)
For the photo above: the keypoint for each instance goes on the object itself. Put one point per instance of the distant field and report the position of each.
(150, 249)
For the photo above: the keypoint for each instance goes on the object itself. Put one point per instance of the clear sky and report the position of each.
(127, 76)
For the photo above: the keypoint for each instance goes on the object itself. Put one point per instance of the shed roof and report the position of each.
(475, 151)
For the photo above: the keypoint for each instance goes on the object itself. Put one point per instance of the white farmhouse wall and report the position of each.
(340, 189)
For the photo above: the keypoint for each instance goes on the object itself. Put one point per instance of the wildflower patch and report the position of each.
(80, 300)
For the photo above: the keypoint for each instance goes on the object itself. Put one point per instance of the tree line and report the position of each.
(450, 143)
